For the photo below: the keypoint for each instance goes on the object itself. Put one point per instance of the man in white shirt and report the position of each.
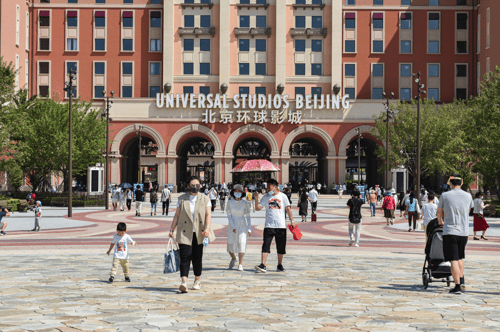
(276, 204)
(429, 212)
(212, 195)
(115, 197)
(313, 198)
(165, 200)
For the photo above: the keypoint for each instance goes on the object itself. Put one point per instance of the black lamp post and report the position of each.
(420, 91)
(387, 106)
(106, 176)
(69, 89)
(167, 87)
(140, 153)
(336, 89)
(359, 155)
(280, 88)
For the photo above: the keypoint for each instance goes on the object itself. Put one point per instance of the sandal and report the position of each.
(482, 237)
(475, 238)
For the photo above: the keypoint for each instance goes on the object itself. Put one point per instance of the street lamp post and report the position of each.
(420, 91)
(69, 89)
(106, 179)
(387, 105)
(359, 155)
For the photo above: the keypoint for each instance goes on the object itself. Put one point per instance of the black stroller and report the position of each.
(435, 267)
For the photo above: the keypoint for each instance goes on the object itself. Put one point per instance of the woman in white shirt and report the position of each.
(239, 226)
(480, 223)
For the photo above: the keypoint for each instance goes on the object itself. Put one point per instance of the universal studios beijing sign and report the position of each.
(244, 104)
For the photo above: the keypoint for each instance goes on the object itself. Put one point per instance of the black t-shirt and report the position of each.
(139, 195)
(355, 209)
(2, 214)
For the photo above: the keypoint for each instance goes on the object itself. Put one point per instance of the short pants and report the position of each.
(280, 237)
(454, 247)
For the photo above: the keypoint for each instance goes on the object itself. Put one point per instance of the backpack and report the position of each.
(355, 216)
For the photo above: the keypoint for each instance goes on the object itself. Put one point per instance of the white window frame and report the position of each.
(149, 75)
(467, 33)
(27, 31)
(151, 29)
(17, 72)
(66, 37)
(105, 31)
(372, 32)
(50, 31)
(27, 74)
(478, 83)
(439, 77)
(18, 25)
(401, 30)
(466, 78)
(478, 37)
(355, 78)
(488, 27)
(355, 34)
(429, 31)
(372, 77)
(122, 75)
(94, 75)
(400, 77)
(122, 28)
(38, 77)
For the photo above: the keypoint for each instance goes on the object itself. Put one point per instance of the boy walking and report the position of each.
(355, 217)
(38, 216)
(276, 204)
(120, 257)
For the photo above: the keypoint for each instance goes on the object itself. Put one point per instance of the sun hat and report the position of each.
(238, 187)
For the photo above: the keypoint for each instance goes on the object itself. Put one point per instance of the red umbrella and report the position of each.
(258, 165)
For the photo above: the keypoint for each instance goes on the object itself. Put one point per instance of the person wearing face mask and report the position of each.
(193, 219)
(239, 226)
(276, 204)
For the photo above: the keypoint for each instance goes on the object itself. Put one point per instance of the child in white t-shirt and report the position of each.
(38, 216)
(120, 257)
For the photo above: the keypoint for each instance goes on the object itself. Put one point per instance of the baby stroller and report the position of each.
(435, 267)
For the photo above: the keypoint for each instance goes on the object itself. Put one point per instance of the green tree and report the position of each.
(38, 137)
(484, 131)
(7, 81)
(443, 145)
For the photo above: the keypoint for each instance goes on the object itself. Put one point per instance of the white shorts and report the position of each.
(114, 200)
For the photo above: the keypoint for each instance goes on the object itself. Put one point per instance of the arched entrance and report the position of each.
(369, 163)
(196, 159)
(250, 149)
(307, 163)
(130, 161)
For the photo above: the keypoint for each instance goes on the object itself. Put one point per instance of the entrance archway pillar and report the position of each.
(342, 172)
(228, 164)
(330, 175)
(218, 168)
(275, 175)
(172, 170)
(285, 169)
(115, 169)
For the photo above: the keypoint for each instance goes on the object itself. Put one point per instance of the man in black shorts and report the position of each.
(276, 204)
(456, 205)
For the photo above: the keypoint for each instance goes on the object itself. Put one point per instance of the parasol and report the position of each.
(258, 165)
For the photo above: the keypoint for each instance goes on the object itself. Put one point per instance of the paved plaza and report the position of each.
(56, 279)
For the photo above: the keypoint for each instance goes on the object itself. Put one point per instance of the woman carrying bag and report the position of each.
(303, 204)
(240, 226)
(193, 218)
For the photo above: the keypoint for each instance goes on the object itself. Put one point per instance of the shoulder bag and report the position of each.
(172, 258)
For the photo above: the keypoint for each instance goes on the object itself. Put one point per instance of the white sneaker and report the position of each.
(232, 263)
(196, 285)
(351, 242)
(240, 267)
(183, 287)
(356, 245)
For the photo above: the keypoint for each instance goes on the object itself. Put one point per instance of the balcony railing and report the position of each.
(310, 32)
(197, 3)
(253, 4)
(253, 31)
(197, 31)
(308, 4)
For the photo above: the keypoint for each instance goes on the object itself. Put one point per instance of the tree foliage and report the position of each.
(444, 146)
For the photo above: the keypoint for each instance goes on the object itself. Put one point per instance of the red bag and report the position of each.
(297, 234)
(313, 217)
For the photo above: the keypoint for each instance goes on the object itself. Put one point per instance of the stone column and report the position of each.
(337, 43)
(331, 171)
(228, 166)
(161, 169)
(224, 41)
(281, 30)
(342, 172)
(115, 170)
(276, 175)
(285, 169)
(168, 42)
(172, 171)
(218, 169)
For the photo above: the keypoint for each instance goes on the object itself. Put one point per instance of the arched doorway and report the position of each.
(307, 163)
(250, 149)
(130, 161)
(369, 163)
(196, 159)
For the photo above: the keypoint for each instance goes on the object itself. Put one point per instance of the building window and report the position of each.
(300, 45)
(316, 69)
(434, 21)
(155, 31)
(378, 23)
(378, 46)
(155, 45)
(27, 31)
(205, 21)
(18, 24)
(100, 1)
(99, 78)
(205, 68)
(127, 80)
(406, 21)
(243, 90)
(461, 47)
(153, 91)
(188, 44)
(100, 22)
(244, 69)
(405, 2)
(100, 30)
(433, 94)
(99, 44)
(205, 45)
(316, 91)
(350, 70)
(317, 45)
(128, 1)
(72, 44)
(260, 45)
(461, 71)
(72, 1)
(433, 46)
(350, 2)
(261, 21)
(156, 2)
(433, 2)
(244, 21)
(300, 69)
(405, 46)
(128, 45)
(300, 91)
(126, 92)
(188, 68)
(300, 22)
(350, 46)
(244, 45)
(204, 90)
(189, 21)
(260, 69)
(378, 70)
(317, 22)
(377, 93)
(406, 70)
(405, 94)
(350, 23)
(461, 2)
(261, 90)
(44, 29)
(187, 90)
(128, 22)
(43, 79)
(433, 70)
(462, 21)
(487, 27)
(72, 30)
(350, 92)
(378, 2)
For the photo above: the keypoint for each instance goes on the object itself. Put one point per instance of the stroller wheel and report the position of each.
(448, 281)
(425, 280)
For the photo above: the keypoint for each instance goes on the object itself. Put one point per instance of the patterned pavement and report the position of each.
(56, 279)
